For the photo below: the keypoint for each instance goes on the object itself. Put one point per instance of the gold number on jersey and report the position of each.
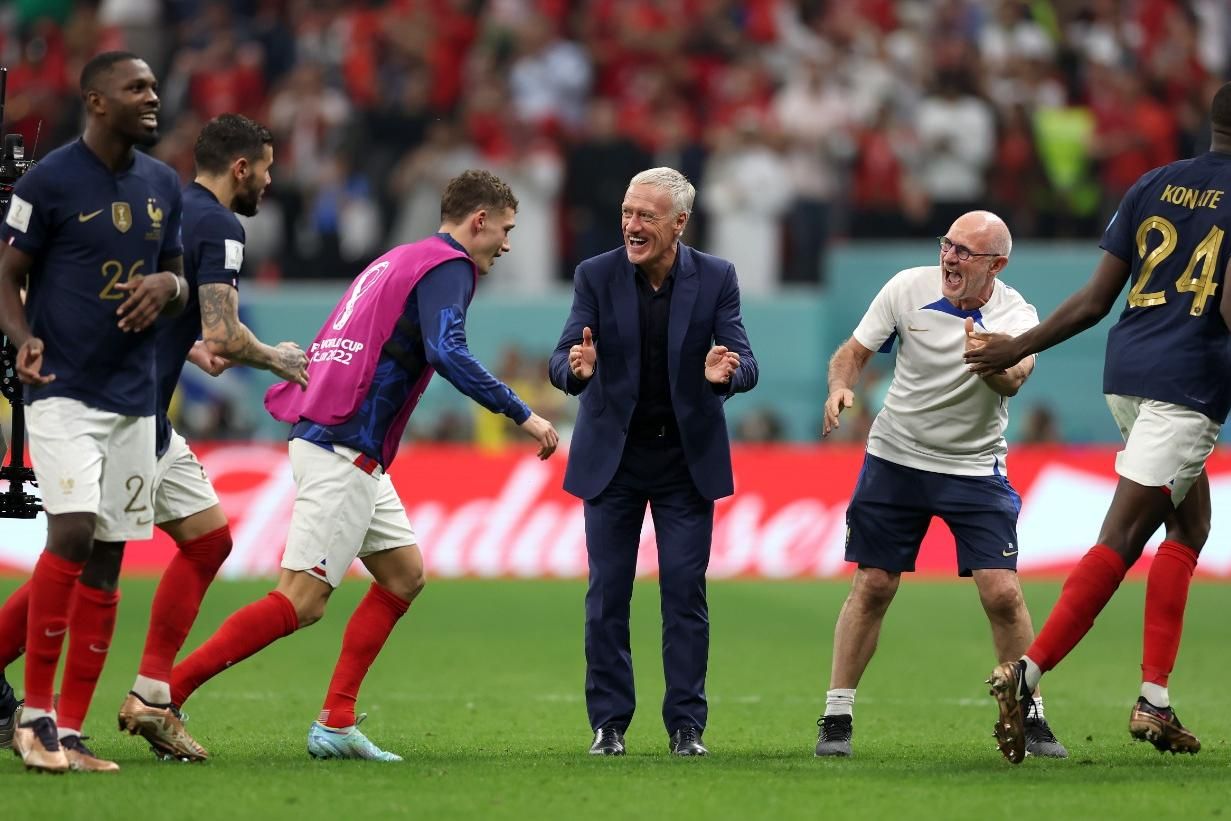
(113, 269)
(1201, 285)
(1138, 297)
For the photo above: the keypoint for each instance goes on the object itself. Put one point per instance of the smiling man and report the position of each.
(654, 345)
(937, 448)
(95, 228)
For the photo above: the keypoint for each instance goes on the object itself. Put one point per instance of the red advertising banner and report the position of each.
(505, 514)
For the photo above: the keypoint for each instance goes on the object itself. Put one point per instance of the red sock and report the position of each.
(13, 617)
(369, 626)
(91, 623)
(1171, 573)
(178, 600)
(1084, 595)
(246, 631)
(51, 593)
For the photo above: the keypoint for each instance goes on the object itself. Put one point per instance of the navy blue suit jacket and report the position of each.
(704, 312)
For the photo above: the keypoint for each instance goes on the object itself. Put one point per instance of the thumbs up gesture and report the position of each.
(582, 358)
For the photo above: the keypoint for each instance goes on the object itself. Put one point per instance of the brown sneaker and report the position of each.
(82, 759)
(1161, 727)
(39, 748)
(1010, 731)
(161, 726)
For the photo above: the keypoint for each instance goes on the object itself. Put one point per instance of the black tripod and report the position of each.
(15, 503)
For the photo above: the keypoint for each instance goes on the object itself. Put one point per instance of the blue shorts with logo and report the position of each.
(893, 505)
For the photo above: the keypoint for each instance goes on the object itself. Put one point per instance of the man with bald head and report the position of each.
(937, 448)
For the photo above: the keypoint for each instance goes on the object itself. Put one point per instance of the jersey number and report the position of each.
(1200, 284)
(113, 269)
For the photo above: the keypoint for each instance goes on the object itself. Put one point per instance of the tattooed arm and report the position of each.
(226, 336)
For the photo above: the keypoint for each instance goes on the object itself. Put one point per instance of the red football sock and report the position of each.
(178, 600)
(91, 623)
(1084, 595)
(369, 626)
(51, 593)
(1171, 573)
(246, 631)
(13, 617)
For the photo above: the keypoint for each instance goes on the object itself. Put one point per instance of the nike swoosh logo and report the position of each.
(99, 648)
(1008, 553)
(89, 216)
(916, 330)
(51, 634)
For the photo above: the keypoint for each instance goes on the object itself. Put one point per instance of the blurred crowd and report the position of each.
(802, 122)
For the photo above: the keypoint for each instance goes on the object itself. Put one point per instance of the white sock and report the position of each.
(840, 702)
(152, 690)
(64, 732)
(1156, 694)
(1038, 707)
(1033, 674)
(29, 714)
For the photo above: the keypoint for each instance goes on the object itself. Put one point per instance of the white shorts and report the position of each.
(341, 513)
(88, 460)
(181, 487)
(1166, 445)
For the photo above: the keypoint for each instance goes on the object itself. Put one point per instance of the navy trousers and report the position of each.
(653, 473)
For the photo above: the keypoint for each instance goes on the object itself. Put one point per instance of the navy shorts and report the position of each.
(893, 505)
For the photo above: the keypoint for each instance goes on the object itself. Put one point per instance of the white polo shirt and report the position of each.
(938, 415)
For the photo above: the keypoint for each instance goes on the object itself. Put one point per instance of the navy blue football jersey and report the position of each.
(89, 230)
(1170, 343)
(213, 253)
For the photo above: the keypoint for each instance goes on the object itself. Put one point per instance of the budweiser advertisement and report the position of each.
(482, 514)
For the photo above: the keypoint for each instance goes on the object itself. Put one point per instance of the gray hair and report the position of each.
(673, 182)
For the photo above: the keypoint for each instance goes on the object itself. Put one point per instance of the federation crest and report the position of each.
(151, 208)
(121, 216)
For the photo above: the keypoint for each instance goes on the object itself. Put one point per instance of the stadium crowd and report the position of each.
(801, 121)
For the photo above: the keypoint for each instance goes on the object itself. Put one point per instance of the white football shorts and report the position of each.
(1166, 445)
(88, 460)
(341, 512)
(181, 487)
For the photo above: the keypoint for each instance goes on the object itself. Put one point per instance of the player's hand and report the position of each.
(212, 364)
(29, 364)
(291, 363)
(720, 363)
(542, 430)
(837, 402)
(988, 353)
(147, 296)
(582, 358)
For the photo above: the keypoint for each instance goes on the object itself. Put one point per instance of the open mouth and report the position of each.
(150, 119)
(637, 242)
(953, 279)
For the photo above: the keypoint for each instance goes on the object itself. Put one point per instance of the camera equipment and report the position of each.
(15, 503)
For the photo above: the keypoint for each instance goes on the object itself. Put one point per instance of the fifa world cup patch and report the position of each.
(233, 256)
(20, 212)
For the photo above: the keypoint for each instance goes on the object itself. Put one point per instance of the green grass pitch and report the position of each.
(480, 688)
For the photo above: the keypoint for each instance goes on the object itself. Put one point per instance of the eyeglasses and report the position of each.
(963, 253)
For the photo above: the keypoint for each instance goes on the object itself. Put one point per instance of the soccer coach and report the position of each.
(654, 344)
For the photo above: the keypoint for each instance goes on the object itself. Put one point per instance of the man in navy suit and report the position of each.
(654, 345)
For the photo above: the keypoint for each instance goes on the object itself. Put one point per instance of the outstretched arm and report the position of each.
(226, 336)
(1080, 311)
